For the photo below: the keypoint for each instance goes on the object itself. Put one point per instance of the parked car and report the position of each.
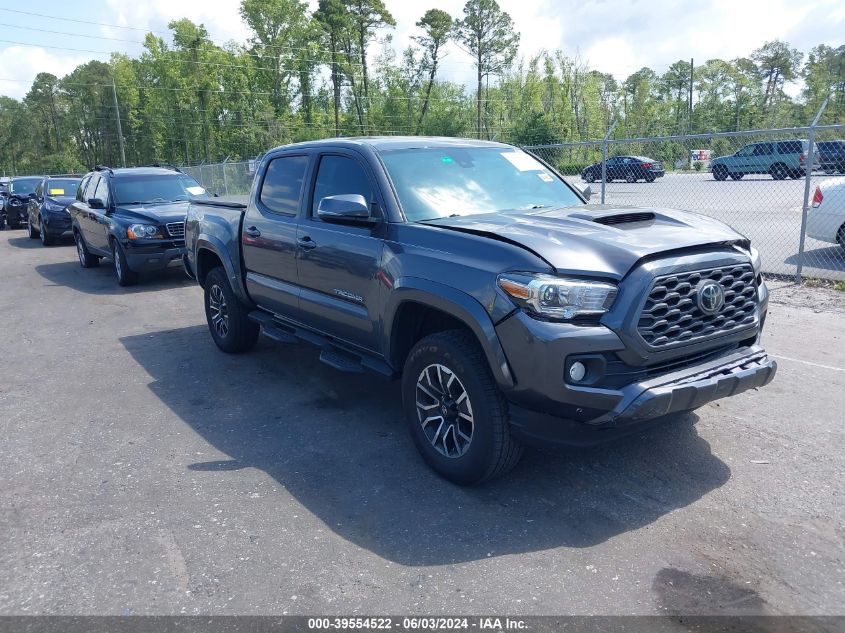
(831, 156)
(627, 168)
(47, 213)
(15, 203)
(826, 217)
(512, 312)
(133, 216)
(779, 159)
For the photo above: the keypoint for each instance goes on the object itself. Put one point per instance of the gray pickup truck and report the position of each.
(512, 311)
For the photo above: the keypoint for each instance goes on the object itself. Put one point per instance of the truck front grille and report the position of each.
(176, 229)
(671, 314)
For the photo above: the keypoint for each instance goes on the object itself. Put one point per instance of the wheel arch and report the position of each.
(418, 307)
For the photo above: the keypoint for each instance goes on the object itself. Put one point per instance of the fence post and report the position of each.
(604, 158)
(225, 182)
(808, 172)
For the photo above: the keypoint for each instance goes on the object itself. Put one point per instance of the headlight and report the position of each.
(557, 298)
(53, 207)
(756, 260)
(143, 232)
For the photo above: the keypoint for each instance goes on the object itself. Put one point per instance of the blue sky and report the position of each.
(617, 36)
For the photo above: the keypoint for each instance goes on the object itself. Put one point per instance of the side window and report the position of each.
(340, 175)
(92, 186)
(763, 149)
(102, 191)
(748, 150)
(789, 147)
(80, 193)
(282, 186)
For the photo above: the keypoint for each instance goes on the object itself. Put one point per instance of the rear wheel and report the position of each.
(86, 259)
(720, 172)
(630, 177)
(228, 319)
(455, 413)
(840, 236)
(125, 275)
(737, 176)
(650, 178)
(779, 171)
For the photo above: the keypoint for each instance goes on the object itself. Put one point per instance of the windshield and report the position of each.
(62, 187)
(24, 186)
(442, 182)
(156, 188)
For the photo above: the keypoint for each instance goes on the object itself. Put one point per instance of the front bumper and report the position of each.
(151, 257)
(649, 401)
(57, 225)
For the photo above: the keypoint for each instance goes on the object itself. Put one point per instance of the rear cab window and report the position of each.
(281, 189)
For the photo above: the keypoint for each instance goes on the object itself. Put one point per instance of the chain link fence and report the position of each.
(226, 178)
(755, 181)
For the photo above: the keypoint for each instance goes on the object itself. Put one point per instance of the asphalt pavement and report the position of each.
(767, 211)
(142, 471)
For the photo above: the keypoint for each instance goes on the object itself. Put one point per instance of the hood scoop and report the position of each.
(625, 218)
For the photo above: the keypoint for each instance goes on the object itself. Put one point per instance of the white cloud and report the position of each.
(21, 64)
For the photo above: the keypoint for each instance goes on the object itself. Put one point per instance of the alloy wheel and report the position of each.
(218, 311)
(444, 411)
(80, 251)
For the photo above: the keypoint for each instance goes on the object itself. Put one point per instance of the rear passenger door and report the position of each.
(268, 240)
(339, 263)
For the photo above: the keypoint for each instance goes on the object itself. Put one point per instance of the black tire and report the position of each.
(240, 333)
(33, 234)
(86, 259)
(720, 172)
(630, 177)
(829, 170)
(125, 275)
(737, 176)
(779, 171)
(650, 178)
(589, 177)
(14, 225)
(490, 451)
(46, 238)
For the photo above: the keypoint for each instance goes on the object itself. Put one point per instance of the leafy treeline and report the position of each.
(307, 75)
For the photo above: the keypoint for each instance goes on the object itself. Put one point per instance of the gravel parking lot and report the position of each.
(143, 471)
(767, 211)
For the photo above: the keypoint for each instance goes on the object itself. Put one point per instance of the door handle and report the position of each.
(252, 232)
(306, 243)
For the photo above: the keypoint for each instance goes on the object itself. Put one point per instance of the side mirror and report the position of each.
(96, 203)
(351, 208)
(32, 196)
(587, 192)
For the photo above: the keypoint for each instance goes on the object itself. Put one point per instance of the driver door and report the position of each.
(338, 264)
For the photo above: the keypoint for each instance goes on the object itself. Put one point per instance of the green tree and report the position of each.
(437, 27)
(488, 34)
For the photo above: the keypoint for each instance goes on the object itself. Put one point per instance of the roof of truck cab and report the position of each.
(398, 142)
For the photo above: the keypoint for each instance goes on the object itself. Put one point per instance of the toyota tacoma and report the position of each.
(512, 311)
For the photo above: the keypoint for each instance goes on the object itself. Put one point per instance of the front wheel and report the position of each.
(840, 236)
(720, 172)
(456, 414)
(228, 320)
(33, 234)
(125, 275)
(46, 238)
(590, 177)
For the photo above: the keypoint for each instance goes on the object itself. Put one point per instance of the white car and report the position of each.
(826, 217)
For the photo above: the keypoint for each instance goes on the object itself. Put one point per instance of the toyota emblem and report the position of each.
(711, 297)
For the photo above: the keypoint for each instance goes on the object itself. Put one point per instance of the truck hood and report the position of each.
(154, 213)
(597, 240)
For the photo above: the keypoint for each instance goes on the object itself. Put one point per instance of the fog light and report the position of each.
(577, 371)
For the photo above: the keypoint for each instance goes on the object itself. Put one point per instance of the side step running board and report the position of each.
(331, 354)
